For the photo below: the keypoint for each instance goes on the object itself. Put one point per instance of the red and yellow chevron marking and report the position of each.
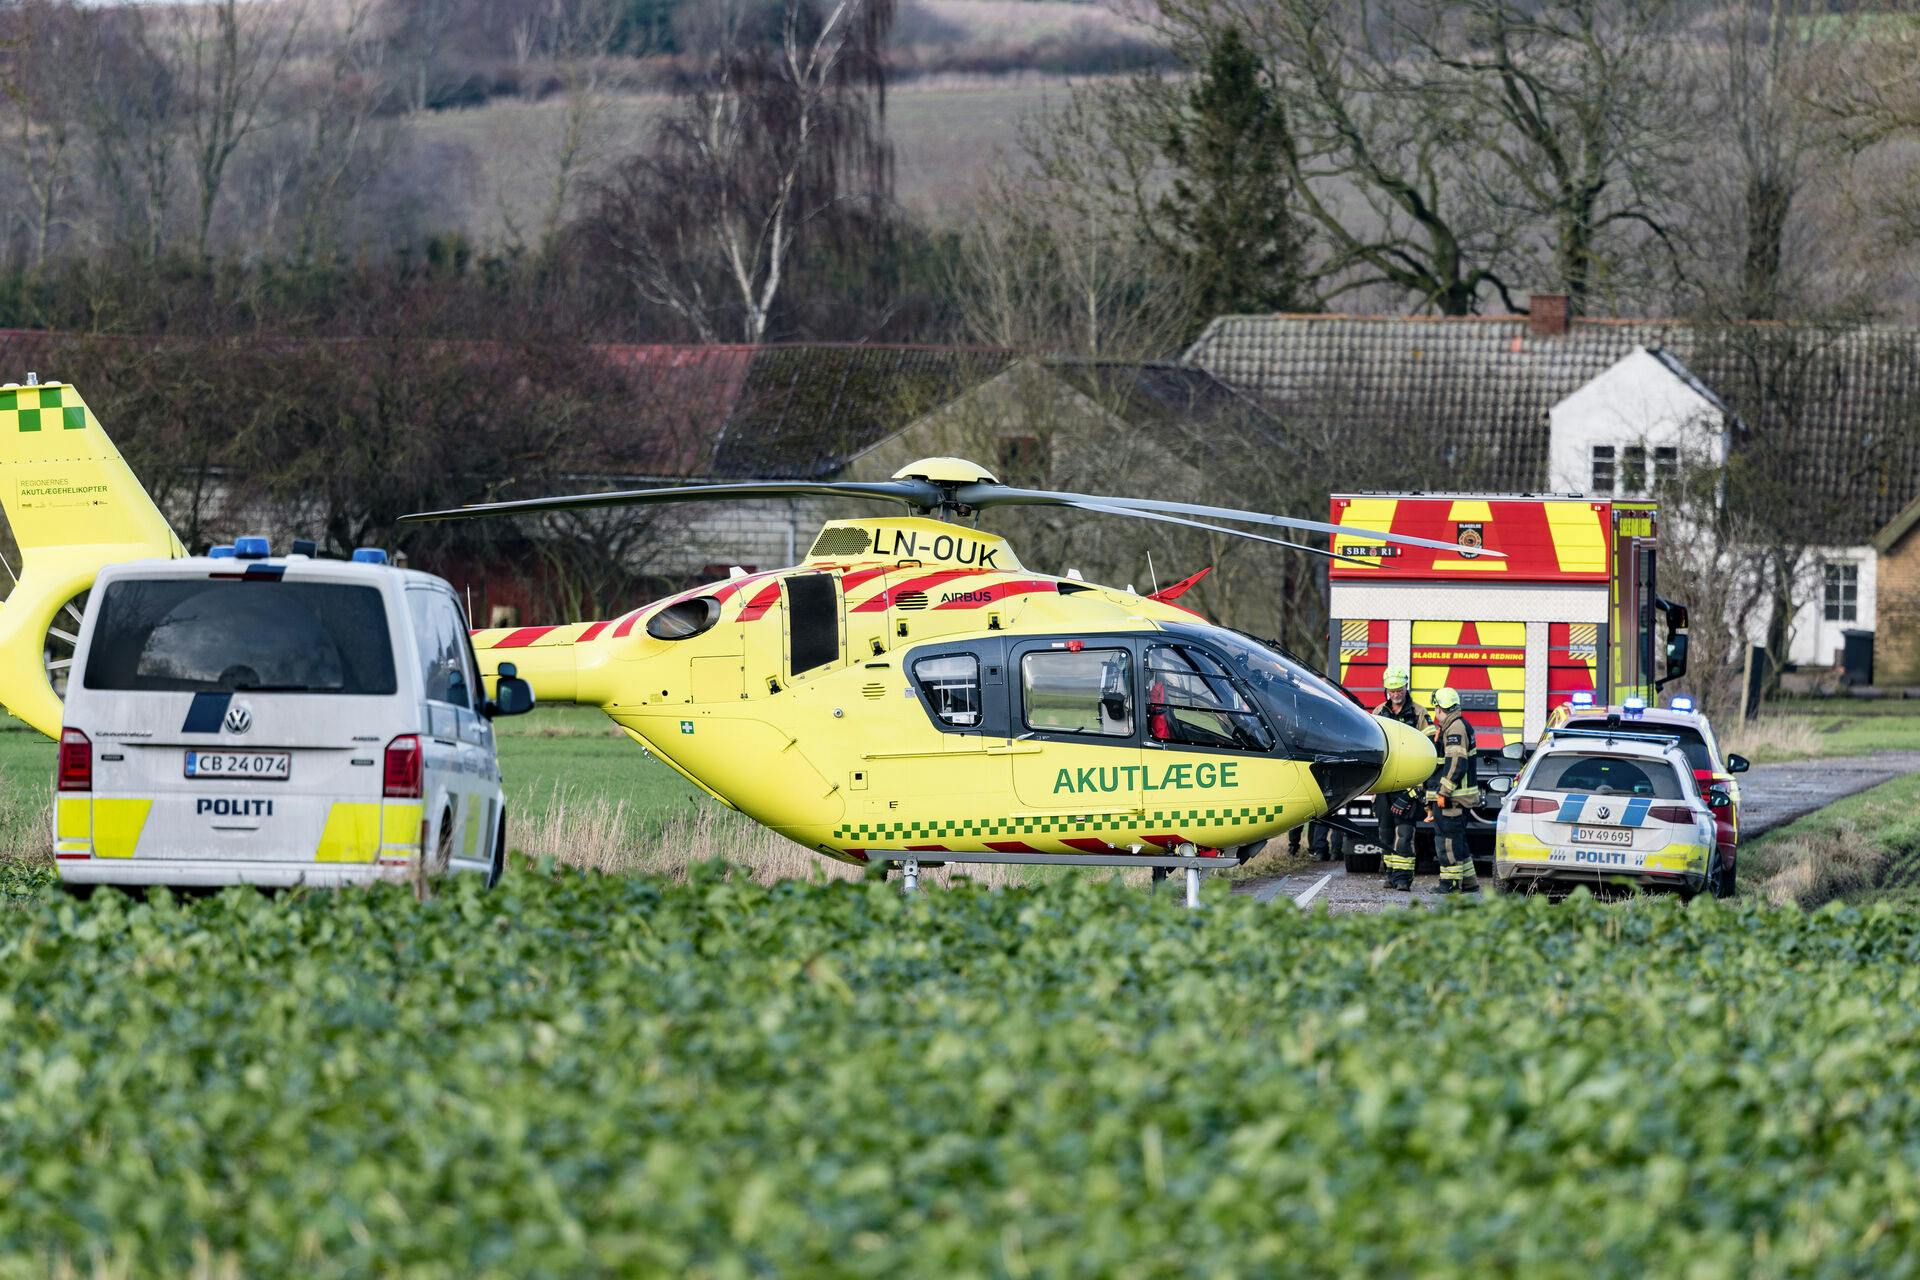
(1544, 539)
(1475, 658)
(1363, 657)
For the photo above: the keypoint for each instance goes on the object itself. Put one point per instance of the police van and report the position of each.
(237, 718)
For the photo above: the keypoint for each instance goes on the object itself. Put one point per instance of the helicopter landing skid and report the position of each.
(1193, 865)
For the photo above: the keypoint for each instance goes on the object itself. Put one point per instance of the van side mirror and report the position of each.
(1718, 799)
(512, 696)
(1737, 763)
(1514, 751)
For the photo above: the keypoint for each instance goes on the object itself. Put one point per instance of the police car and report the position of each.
(1688, 726)
(1607, 807)
(241, 719)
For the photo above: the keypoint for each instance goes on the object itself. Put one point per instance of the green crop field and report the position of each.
(592, 1075)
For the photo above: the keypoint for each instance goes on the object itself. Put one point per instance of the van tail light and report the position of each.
(1534, 804)
(404, 769)
(1678, 814)
(75, 771)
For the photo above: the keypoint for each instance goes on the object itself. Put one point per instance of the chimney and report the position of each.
(1549, 314)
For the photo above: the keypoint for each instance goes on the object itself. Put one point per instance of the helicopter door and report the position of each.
(1080, 704)
(814, 633)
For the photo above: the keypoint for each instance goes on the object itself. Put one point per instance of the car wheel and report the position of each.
(1719, 877)
(498, 867)
(443, 848)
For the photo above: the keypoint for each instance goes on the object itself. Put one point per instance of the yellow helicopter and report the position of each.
(911, 692)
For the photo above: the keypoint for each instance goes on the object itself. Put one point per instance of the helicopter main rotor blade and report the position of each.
(919, 494)
(1109, 510)
(995, 495)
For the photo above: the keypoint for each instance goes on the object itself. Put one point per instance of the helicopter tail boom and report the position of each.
(545, 657)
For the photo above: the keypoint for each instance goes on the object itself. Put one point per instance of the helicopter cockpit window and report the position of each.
(1192, 701)
(952, 686)
(1087, 691)
(684, 619)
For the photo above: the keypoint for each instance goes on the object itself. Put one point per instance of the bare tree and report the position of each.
(46, 38)
(230, 60)
(339, 140)
(1587, 95)
(1039, 268)
(1875, 101)
(1758, 71)
(131, 114)
(578, 35)
(781, 129)
(1382, 149)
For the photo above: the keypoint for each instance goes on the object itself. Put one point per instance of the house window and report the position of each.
(1666, 465)
(1633, 469)
(1841, 592)
(1603, 463)
(1023, 459)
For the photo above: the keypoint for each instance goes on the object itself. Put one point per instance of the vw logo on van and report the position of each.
(239, 718)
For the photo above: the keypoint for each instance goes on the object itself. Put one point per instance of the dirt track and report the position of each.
(1771, 796)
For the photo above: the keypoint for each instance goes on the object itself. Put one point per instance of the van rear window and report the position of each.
(188, 635)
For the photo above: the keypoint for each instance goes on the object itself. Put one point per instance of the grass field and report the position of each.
(593, 1075)
(945, 135)
(1800, 729)
(1865, 845)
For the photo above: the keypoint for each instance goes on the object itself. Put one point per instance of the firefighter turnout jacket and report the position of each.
(1404, 806)
(1456, 783)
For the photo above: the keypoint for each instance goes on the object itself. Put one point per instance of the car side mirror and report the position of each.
(1718, 799)
(512, 696)
(1500, 785)
(1737, 763)
(1514, 751)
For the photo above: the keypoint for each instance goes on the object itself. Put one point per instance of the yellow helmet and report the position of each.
(1397, 678)
(1445, 698)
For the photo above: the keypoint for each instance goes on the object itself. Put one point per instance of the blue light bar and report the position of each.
(252, 547)
(369, 555)
(1680, 702)
(222, 552)
(1582, 699)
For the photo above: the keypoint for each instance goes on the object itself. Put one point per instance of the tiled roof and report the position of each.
(803, 411)
(1485, 384)
(1145, 392)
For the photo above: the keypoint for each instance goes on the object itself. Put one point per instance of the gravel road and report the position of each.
(1771, 795)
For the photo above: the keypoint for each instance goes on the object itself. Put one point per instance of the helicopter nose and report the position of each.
(1410, 757)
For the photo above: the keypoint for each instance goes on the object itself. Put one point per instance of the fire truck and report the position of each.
(1572, 607)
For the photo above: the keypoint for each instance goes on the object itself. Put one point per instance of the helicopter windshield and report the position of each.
(1313, 716)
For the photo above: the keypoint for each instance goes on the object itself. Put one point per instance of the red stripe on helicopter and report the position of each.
(926, 848)
(591, 632)
(875, 603)
(1011, 846)
(1088, 846)
(761, 602)
(521, 638)
(997, 592)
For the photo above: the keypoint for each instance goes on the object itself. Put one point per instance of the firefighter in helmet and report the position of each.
(1455, 789)
(1398, 812)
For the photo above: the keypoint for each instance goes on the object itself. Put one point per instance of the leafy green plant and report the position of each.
(591, 1075)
